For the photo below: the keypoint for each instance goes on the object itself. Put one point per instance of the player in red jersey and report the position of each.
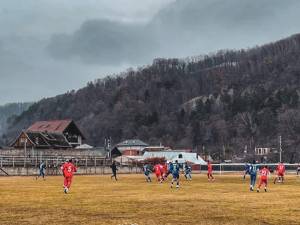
(264, 173)
(68, 169)
(164, 171)
(210, 171)
(280, 170)
(157, 171)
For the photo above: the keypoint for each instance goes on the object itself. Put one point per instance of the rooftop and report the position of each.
(54, 126)
(132, 142)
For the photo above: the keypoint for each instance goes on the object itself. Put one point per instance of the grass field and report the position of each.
(98, 200)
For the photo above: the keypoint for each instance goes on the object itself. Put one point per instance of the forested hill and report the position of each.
(228, 100)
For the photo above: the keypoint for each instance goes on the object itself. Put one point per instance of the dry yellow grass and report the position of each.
(98, 200)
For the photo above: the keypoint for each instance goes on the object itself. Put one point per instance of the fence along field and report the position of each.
(131, 200)
(19, 165)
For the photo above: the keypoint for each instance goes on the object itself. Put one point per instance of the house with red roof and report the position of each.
(50, 134)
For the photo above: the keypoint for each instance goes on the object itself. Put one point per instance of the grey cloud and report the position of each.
(28, 73)
(185, 27)
(208, 25)
(104, 42)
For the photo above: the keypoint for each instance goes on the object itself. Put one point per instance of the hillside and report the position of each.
(9, 112)
(224, 102)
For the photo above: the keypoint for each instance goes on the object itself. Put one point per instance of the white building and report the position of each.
(181, 157)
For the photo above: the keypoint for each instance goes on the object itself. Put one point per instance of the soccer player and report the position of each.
(253, 172)
(165, 171)
(169, 169)
(247, 166)
(298, 169)
(264, 173)
(42, 168)
(187, 171)
(157, 171)
(114, 170)
(175, 174)
(210, 171)
(280, 170)
(68, 170)
(147, 172)
(162, 171)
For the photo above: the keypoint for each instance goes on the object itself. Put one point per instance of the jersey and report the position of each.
(146, 170)
(280, 168)
(252, 169)
(187, 169)
(157, 169)
(68, 169)
(42, 166)
(114, 167)
(209, 168)
(161, 167)
(264, 173)
(170, 169)
(165, 168)
(248, 168)
(176, 168)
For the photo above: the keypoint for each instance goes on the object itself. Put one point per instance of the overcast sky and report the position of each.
(48, 47)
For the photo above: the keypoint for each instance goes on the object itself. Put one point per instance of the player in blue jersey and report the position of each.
(175, 174)
(187, 171)
(246, 171)
(147, 172)
(42, 169)
(253, 172)
(169, 169)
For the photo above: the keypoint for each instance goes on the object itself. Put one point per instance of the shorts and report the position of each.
(175, 175)
(263, 181)
(158, 174)
(280, 174)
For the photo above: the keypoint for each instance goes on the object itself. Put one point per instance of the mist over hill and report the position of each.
(8, 113)
(225, 101)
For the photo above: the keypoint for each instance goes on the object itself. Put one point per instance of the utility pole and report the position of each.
(107, 145)
(25, 151)
(280, 149)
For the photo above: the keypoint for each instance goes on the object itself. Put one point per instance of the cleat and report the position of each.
(177, 186)
(257, 191)
(66, 190)
(265, 190)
